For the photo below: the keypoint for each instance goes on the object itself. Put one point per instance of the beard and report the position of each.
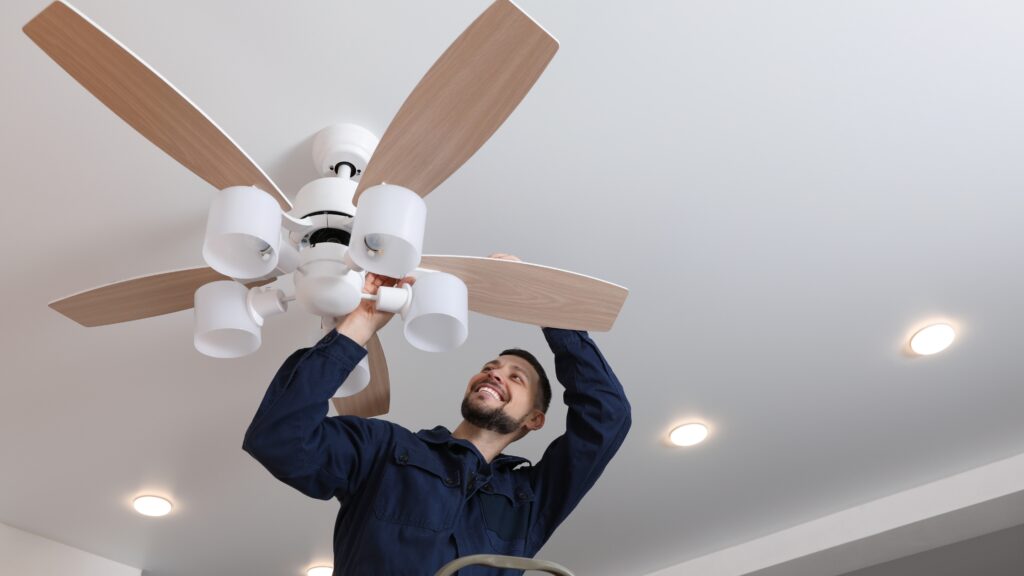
(493, 419)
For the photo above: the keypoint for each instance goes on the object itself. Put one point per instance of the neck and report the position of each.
(488, 442)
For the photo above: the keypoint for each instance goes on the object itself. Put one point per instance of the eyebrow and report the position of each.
(515, 367)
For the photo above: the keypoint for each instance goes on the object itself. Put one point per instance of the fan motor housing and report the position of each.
(327, 202)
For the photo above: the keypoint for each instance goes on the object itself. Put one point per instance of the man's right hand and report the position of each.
(362, 323)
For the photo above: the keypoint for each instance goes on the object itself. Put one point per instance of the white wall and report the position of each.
(24, 554)
(997, 554)
(953, 509)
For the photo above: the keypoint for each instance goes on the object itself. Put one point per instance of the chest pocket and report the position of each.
(507, 518)
(418, 490)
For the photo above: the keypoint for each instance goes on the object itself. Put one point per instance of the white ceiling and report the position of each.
(788, 188)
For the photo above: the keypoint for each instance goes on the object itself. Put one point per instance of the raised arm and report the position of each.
(597, 423)
(291, 434)
(294, 439)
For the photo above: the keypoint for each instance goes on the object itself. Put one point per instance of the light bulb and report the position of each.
(373, 242)
(320, 571)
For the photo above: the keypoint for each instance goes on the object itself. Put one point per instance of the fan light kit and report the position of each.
(327, 250)
(932, 339)
(152, 506)
(689, 434)
(264, 252)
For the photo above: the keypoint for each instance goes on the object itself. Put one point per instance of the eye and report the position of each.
(517, 377)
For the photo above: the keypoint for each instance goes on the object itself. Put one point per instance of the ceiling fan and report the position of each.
(265, 252)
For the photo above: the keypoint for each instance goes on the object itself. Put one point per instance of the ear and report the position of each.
(535, 421)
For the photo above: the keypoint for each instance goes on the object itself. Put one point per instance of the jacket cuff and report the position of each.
(560, 339)
(341, 348)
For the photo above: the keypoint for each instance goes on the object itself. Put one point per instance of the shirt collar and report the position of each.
(441, 435)
(436, 435)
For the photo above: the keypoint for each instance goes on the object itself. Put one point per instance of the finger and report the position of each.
(503, 256)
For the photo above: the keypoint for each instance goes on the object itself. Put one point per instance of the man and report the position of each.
(410, 503)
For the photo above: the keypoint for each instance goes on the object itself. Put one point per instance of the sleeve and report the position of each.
(596, 425)
(291, 435)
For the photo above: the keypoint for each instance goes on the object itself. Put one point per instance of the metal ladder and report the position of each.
(496, 561)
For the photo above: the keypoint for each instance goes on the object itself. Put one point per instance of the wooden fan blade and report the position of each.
(464, 97)
(143, 99)
(137, 298)
(534, 294)
(375, 399)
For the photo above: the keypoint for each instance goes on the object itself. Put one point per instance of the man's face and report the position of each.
(502, 396)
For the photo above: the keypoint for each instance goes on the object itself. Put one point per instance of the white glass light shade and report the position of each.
(387, 235)
(152, 506)
(357, 380)
(932, 339)
(243, 232)
(437, 318)
(324, 285)
(224, 325)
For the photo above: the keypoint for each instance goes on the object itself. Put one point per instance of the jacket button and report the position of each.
(521, 495)
(487, 487)
(403, 458)
(449, 481)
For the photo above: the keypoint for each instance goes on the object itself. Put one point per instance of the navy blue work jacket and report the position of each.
(411, 502)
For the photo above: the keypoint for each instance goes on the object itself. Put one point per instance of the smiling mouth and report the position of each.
(490, 391)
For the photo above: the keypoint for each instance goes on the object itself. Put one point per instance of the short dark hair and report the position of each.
(545, 386)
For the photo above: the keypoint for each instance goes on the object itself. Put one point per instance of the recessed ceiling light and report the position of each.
(152, 505)
(932, 339)
(689, 434)
(320, 571)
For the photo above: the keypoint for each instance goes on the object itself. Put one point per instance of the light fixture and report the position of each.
(438, 316)
(243, 232)
(435, 310)
(228, 317)
(387, 236)
(152, 506)
(320, 571)
(324, 284)
(689, 434)
(319, 253)
(932, 339)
